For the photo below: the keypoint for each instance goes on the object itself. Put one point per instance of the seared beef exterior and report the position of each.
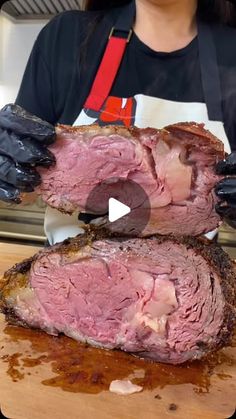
(174, 166)
(165, 298)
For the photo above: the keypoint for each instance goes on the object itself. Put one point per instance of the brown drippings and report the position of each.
(33, 362)
(173, 407)
(80, 368)
(13, 361)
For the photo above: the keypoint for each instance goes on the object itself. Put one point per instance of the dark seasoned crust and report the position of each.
(183, 131)
(191, 130)
(218, 261)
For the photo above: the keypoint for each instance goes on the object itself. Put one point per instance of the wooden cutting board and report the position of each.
(45, 377)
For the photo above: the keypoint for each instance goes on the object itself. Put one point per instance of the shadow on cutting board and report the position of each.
(233, 415)
(2, 416)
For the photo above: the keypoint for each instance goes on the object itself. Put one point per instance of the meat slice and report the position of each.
(174, 166)
(164, 298)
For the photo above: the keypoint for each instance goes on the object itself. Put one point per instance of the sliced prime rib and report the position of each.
(164, 298)
(174, 166)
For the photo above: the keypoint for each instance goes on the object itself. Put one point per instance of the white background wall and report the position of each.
(16, 41)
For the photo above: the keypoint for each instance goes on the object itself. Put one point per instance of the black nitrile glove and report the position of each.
(226, 189)
(23, 141)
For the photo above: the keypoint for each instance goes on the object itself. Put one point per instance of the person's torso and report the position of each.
(151, 88)
(72, 46)
(156, 89)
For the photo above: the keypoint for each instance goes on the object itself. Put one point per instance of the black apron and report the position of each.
(207, 57)
(123, 30)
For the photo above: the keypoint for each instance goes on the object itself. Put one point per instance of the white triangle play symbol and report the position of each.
(117, 210)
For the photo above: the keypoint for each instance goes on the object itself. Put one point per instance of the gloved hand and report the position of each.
(226, 189)
(23, 141)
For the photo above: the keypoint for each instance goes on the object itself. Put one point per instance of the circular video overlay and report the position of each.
(124, 204)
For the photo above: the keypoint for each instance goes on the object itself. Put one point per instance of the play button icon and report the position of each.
(120, 205)
(117, 210)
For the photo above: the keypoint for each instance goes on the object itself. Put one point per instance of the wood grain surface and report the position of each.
(26, 397)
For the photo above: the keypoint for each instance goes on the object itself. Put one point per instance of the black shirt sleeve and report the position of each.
(51, 75)
(225, 38)
(35, 94)
(52, 87)
(229, 102)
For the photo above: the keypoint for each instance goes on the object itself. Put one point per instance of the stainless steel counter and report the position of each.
(227, 239)
(23, 222)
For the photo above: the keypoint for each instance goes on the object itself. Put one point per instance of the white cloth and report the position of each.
(150, 112)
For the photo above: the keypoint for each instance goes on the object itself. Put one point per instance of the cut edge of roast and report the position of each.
(17, 279)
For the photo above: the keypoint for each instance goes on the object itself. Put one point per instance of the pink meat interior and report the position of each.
(178, 183)
(159, 299)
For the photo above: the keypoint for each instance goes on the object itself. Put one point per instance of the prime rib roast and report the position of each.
(167, 296)
(174, 166)
(170, 299)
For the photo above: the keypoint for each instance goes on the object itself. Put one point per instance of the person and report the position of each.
(144, 63)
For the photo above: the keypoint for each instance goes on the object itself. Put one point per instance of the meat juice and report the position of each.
(79, 368)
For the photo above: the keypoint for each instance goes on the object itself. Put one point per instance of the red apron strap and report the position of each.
(107, 71)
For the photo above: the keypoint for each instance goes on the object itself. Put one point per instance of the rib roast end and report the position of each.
(164, 298)
(175, 167)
